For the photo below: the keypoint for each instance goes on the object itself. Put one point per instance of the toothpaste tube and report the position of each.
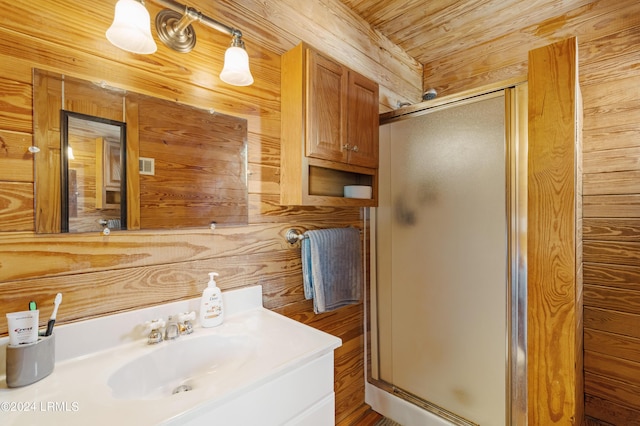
(23, 327)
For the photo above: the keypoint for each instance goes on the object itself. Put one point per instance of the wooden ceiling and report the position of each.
(431, 29)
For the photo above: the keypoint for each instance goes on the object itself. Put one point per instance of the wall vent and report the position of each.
(147, 166)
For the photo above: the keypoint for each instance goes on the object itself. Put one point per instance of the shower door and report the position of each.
(443, 253)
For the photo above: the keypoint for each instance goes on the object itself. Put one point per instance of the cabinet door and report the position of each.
(363, 121)
(326, 106)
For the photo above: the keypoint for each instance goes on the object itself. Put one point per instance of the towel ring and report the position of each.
(293, 236)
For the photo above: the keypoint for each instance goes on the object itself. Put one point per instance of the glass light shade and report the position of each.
(236, 67)
(131, 28)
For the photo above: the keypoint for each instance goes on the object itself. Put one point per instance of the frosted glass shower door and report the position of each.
(442, 258)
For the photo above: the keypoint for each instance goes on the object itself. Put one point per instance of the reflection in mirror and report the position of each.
(200, 166)
(93, 173)
(199, 159)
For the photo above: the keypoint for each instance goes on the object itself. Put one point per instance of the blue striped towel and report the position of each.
(332, 268)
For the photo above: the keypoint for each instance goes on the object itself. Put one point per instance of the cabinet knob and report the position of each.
(346, 147)
(355, 148)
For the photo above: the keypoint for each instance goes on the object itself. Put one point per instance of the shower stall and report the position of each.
(448, 300)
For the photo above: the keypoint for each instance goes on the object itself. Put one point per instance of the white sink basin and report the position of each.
(181, 365)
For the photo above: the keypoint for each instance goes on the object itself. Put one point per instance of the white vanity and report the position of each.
(257, 368)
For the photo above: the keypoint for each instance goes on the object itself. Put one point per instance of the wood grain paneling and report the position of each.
(612, 160)
(553, 376)
(612, 229)
(605, 206)
(612, 252)
(613, 299)
(448, 23)
(612, 183)
(15, 103)
(16, 159)
(605, 365)
(603, 387)
(605, 319)
(612, 308)
(504, 56)
(16, 205)
(621, 276)
(603, 412)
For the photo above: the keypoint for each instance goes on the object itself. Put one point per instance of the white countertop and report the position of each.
(88, 352)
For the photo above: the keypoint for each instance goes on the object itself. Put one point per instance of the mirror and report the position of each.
(177, 167)
(93, 178)
(199, 165)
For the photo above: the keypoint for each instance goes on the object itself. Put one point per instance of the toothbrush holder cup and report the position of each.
(29, 363)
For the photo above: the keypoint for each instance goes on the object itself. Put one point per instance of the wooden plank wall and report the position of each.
(608, 36)
(128, 270)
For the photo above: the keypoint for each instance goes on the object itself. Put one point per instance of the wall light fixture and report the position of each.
(131, 28)
(131, 31)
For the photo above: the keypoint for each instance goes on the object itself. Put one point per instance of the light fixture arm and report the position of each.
(236, 41)
(190, 15)
(198, 16)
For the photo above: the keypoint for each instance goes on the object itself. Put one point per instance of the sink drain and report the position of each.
(182, 388)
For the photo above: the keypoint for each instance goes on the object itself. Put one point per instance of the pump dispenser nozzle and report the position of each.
(212, 278)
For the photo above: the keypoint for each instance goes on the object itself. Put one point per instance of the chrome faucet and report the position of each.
(176, 325)
(172, 330)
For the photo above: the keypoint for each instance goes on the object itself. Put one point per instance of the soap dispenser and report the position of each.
(211, 309)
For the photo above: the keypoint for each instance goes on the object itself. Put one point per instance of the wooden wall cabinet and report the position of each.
(329, 130)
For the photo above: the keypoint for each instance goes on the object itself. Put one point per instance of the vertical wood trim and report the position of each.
(39, 134)
(553, 318)
(579, 390)
(292, 125)
(47, 160)
(133, 157)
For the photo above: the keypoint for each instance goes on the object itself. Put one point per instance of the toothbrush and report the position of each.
(52, 320)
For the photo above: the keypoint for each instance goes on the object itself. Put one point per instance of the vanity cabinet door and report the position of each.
(327, 108)
(342, 110)
(363, 121)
